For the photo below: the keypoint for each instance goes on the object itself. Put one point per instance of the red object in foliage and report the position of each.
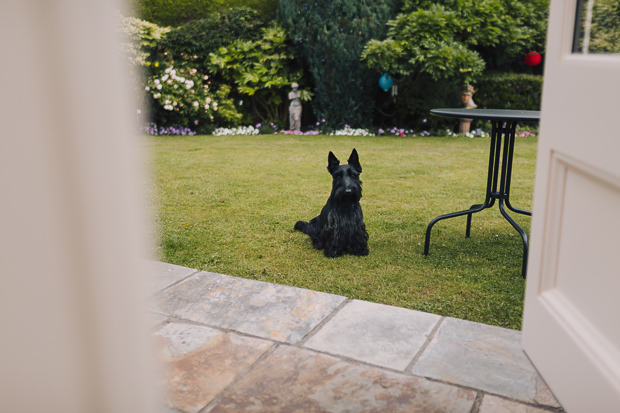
(533, 59)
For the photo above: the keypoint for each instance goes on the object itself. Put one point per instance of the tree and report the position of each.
(329, 36)
(457, 39)
(435, 46)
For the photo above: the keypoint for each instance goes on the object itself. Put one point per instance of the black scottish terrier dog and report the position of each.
(340, 226)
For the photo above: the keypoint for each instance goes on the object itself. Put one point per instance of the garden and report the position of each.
(230, 178)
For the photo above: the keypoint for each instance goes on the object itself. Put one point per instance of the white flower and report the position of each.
(176, 86)
(164, 78)
(173, 73)
(182, 79)
(206, 77)
(206, 106)
(168, 107)
(168, 70)
(242, 130)
(147, 88)
(195, 104)
(208, 100)
(159, 87)
(157, 95)
(174, 103)
(156, 81)
(167, 102)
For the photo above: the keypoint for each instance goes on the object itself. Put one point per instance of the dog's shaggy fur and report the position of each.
(340, 226)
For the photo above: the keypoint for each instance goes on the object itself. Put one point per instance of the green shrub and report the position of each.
(138, 38)
(178, 12)
(174, 13)
(184, 97)
(435, 46)
(262, 73)
(459, 38)
(202, 37)
(508, 91)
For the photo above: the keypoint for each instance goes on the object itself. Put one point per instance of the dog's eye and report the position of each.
(338, 174)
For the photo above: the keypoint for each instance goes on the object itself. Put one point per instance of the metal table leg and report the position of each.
(508, 132)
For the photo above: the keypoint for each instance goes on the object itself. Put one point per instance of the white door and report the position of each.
(571, 327)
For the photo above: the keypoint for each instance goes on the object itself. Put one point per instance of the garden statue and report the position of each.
(294, 110)
(467, 93)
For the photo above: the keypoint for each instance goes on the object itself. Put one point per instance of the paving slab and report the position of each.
(200, 362)
(292, 379)
(492, 404)
(155, 320)
(161, 275)
(275, 312)
(374, 333)
(484, 357)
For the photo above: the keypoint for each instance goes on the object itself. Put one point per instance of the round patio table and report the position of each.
(504, 129)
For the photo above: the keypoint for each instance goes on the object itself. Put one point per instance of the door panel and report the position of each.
(571, 326)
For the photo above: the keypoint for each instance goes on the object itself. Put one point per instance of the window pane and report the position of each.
(597, 27)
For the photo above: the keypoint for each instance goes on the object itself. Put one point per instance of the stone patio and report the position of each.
(234, 345)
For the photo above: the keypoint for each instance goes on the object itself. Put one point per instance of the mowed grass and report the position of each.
(228, 205)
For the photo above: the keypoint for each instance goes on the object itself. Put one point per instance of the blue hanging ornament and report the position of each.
(385, 82)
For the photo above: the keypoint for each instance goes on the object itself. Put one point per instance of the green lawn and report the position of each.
(228, 205)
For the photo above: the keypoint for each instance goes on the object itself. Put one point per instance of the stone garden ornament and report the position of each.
(467, 93)
(294, 109)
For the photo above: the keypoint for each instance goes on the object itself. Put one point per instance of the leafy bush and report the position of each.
(138, 38)
(509, 91)
(202, 37)
(456, 39)
(179, 12)
(261, 70)
(425, 41)
(434, 47)
(183, 97)
(167, 13)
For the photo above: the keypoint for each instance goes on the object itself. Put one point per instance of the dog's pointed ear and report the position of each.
(354, 161)
(332, 163)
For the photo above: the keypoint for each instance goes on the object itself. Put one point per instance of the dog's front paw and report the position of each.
(333, 253)
(361, 252)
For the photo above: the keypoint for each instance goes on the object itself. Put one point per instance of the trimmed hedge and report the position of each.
(509, 91)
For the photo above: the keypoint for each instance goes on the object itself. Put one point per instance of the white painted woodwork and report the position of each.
(571, 327)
